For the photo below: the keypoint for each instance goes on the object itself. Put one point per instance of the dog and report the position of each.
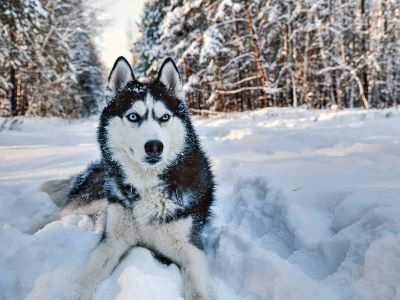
(153, 181)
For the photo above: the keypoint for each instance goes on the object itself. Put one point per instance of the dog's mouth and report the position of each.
(152, 160)
(149, 160)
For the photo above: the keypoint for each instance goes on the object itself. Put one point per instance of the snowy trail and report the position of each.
(308, 207)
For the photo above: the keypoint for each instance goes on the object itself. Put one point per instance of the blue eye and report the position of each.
(133, 117)
(165, 118)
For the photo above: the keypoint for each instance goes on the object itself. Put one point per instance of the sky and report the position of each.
(121, 16)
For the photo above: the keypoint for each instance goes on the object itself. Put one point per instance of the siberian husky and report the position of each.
(153, 180)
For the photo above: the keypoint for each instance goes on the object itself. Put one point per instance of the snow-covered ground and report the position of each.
(308, 207)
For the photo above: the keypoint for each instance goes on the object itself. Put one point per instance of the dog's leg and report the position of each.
(100, 222)
(175, 245)
(195, 272)
(91, 208)
(105, 256)
(101, 262)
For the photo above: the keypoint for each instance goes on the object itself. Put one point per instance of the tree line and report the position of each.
(237, 55)
(49, 64)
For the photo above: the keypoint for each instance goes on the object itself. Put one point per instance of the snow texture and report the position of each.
(307, 208)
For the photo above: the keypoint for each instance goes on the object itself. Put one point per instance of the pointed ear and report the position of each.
(169, 76)
(120, 75)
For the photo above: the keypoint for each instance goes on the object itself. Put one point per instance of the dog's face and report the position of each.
(143, 121)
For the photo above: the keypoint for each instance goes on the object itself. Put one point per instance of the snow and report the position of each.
(307, 208)
(212, 43)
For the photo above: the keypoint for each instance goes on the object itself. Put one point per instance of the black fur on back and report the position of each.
(188, 174)
(89, 185)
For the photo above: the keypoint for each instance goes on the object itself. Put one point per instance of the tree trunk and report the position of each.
(240, 96)
(364, 76)
(257, 52)
(13, 97)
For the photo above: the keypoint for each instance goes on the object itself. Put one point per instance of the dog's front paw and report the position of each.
(79, 297)
(194, 294)
(196, 297)
(81, 294)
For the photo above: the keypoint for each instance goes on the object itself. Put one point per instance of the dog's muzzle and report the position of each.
(153, 149)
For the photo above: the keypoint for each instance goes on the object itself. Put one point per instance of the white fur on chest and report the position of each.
(164, 237)
(153, 207)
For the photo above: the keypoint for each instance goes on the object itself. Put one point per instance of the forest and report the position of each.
(243, 55)
(49, 63)
(233, 55)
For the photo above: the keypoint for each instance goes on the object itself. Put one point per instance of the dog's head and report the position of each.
(143, 122)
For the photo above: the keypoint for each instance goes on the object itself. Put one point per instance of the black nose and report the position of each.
(153, 148)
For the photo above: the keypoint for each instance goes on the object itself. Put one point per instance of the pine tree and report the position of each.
(238, 55)
(48, 62)
(20, 23)
(181, 34)
(148, 48)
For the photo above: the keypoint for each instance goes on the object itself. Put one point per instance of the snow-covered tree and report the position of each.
(48, 62)
(148, 48)
(21, 22)
(238, 55)
(77, 25)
